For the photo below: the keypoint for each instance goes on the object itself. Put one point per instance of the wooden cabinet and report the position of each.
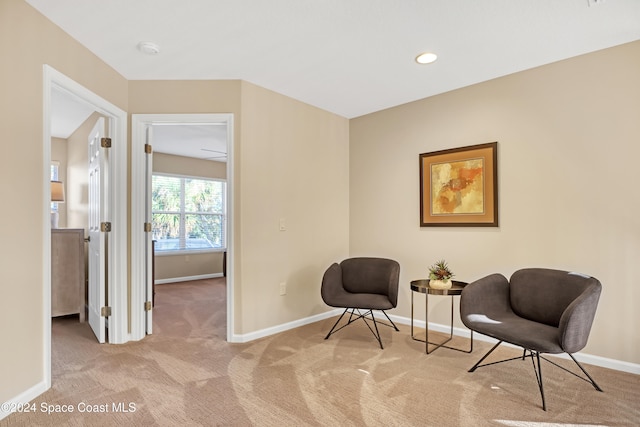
(67, 272)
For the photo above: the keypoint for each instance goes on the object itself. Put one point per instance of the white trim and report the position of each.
(242, 338)
(139, 263)
(118, 322)
(187, 278)
(604, 362)
(190, 252)
(46, 227)
(24, 397)
(139, 122)
(118, 251)
(230, 239)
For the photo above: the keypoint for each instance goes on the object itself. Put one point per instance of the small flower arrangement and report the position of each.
(440, 271)
(440, 275)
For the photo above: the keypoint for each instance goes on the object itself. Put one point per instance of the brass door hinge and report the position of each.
(147, 306)
(147, 227)
(105, 142)
(105, 311)
(148, 149)
(105, 227)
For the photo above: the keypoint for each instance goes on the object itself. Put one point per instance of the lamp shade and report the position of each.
(57, 191)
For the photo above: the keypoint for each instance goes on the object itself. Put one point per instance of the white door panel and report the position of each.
(97, 254)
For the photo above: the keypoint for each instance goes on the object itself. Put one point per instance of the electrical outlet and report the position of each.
(283, 288)
(283, 224)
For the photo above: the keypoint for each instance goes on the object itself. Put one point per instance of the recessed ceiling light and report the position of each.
(426, 58)
(149, 48)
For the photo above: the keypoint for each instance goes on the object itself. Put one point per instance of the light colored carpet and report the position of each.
(187, 375)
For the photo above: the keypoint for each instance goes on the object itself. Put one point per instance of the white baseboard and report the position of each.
(22, 399)
(187, 278)
(604, 362)
(618, 365)
(241, 338)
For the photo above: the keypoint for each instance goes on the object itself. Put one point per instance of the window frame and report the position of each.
(54, 172)
(183, 213)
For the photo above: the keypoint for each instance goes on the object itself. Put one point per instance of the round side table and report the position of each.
(422, 286)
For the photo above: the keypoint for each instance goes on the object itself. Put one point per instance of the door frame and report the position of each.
(117, 251)
(139, 122)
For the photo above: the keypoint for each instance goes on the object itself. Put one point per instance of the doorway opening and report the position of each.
(115, 207)
(143, 129)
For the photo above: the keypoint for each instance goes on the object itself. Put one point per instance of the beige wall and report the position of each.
(291, 160)
(187, 97)
(77, 203)
(295, 163)
(78, 176)
(27, 41)
(567, 154)
(178, 266)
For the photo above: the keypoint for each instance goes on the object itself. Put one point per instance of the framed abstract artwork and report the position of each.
(459, 187)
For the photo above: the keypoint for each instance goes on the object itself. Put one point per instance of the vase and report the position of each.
(440, 284)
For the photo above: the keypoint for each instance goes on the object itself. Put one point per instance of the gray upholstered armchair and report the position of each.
(540, 310)
(362, 284)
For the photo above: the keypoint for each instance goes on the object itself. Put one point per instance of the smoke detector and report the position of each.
(149, 48)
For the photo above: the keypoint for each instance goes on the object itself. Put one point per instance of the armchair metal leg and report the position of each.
(336, 324)
(538, 373)
(537, 368)
(593, 383)
(477, 365)
(588, 378)
(376, 333)
(353, 317)
(387, 316)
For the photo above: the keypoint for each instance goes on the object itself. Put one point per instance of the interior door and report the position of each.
(149, 235)
(98, 167)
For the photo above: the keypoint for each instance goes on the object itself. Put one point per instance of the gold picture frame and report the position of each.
(459, 187)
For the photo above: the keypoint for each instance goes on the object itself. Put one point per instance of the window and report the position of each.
(188, 213)
(55, 167)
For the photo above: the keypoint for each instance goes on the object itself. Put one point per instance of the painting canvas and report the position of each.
(458, 187)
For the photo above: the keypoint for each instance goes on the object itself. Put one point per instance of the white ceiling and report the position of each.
(350, 57)
(67, 114)
(207, 142)
(201, 141)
